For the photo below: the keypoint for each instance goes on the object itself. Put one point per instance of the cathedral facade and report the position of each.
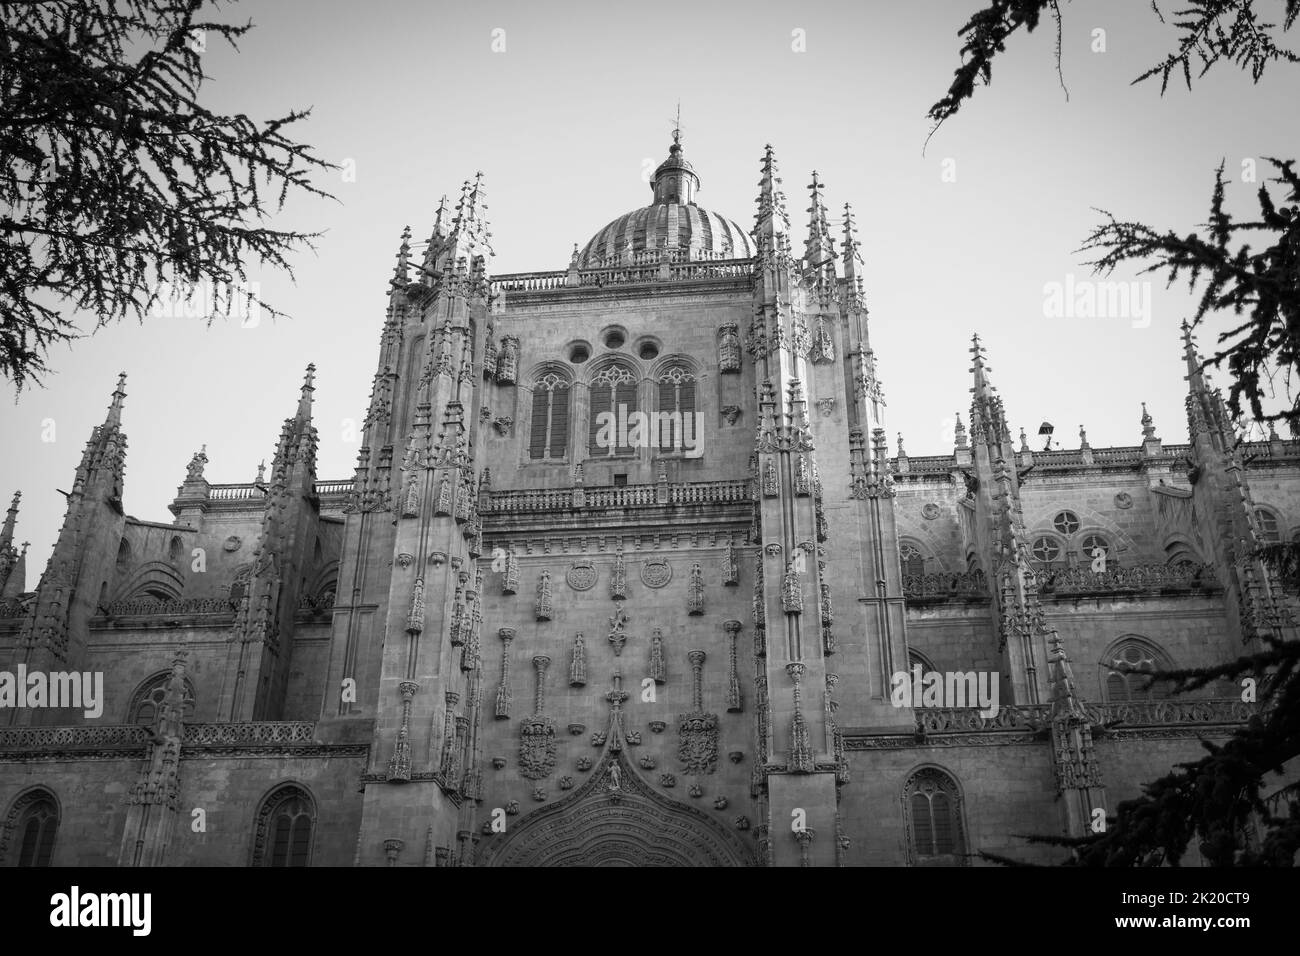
(628, 575)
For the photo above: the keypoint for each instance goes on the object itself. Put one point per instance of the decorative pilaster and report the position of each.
(698, 730)
(543, 604)
(510, 577)
(504, 698)
(801, 753)
(399, 766)
(695, 591)
(537, 734)
(618, 578)
(734, 701)
(731, 566)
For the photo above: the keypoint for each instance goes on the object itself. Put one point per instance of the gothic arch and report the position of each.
(149, 695)
(934, 818)
(153, 579)
(29, 800)
(633, 825)
(1143, 656)
(284, 830)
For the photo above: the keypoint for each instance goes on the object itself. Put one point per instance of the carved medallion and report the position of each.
(537, 748)
(582, 576)
(656, 572)
(1124, 500)
(930, 511)
(233, 543)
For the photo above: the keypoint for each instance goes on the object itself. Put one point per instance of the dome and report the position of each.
(673, 220)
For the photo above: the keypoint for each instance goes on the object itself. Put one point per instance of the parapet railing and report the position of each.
(1172, 712)
(618, 496)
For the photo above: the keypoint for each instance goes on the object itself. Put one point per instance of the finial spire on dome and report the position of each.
(675, 181)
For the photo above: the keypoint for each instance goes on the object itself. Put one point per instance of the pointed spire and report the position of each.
(15, 583)
(11, 519)
(114, 418)
(819, 250)
(983, 388)
(402, 271)
(771, 224)
(305, 398)
(959, 431)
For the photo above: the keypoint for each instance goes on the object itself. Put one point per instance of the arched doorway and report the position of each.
(616, 819)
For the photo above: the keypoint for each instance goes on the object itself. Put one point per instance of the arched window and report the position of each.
(916, 659)
(932, 815)
(676, 419)
(1266, 525)
(29, 829)
(549, 429)
(613, 400)
(911, 560)
(285, 824)
(1123, 667)
(148, 698)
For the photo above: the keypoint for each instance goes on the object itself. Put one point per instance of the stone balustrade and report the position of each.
(619, 496)
(941, 586)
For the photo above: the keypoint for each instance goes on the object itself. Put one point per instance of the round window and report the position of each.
(579, 354)
(1067, 522)
(614, 340)
(1045, 549)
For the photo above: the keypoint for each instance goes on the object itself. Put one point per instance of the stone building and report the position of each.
(624, 576)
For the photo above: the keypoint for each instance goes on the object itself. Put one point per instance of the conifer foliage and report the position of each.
(117, 186)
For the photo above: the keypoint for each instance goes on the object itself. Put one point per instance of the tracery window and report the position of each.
(1091, 543)
(1124, 666)
(148, 699)
(613, 400)
(283, 835)
(677, 399)
(30, 828)
(913, 563)
(549, 432)
(932, 812)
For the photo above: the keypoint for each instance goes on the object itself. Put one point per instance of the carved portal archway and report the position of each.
(616, 819)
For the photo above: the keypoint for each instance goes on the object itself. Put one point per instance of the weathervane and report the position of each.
(677, 125)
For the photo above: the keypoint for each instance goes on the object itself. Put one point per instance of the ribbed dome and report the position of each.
(685, 227)
(673, 221)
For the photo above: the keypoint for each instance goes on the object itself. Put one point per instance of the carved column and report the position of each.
(399, 766)
(734, 700)
(507, 634)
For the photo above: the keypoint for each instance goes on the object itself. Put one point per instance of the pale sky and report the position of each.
(563, 122)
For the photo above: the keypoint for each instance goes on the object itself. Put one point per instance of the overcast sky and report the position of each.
(563, 121)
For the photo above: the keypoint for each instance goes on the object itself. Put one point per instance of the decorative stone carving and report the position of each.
(929, 511)
(771, 487)
(582, 576)
(577, 730)
(729, 348)
(720, 803)
(566, 783)
(826, 406)
(734, 702)
(791, 591)
(503, 425)
(695, 790)
(507, 634)
(499, 763)
(618, 578)
(405, 560)
(437, 559)
(801, 753)
(658, 726)
(667, 780)
(537, 735)
(508, 360)
(510, 577)
(539, 794)
(646, 761)
(399, 766)
(543, 604)
(633, 738)
(802, 477)
(731, 566)
(598, 739)
(658, 668)
(695, 591)
(618, 630)
(731, 413)
(584, 763)
(656, 572)
(742, 823)
(578, 663)
(233, 543)
(736, 756)
(697, 731)
(1123, 500)
(512, 808)
(443, 505)
(415, 619)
